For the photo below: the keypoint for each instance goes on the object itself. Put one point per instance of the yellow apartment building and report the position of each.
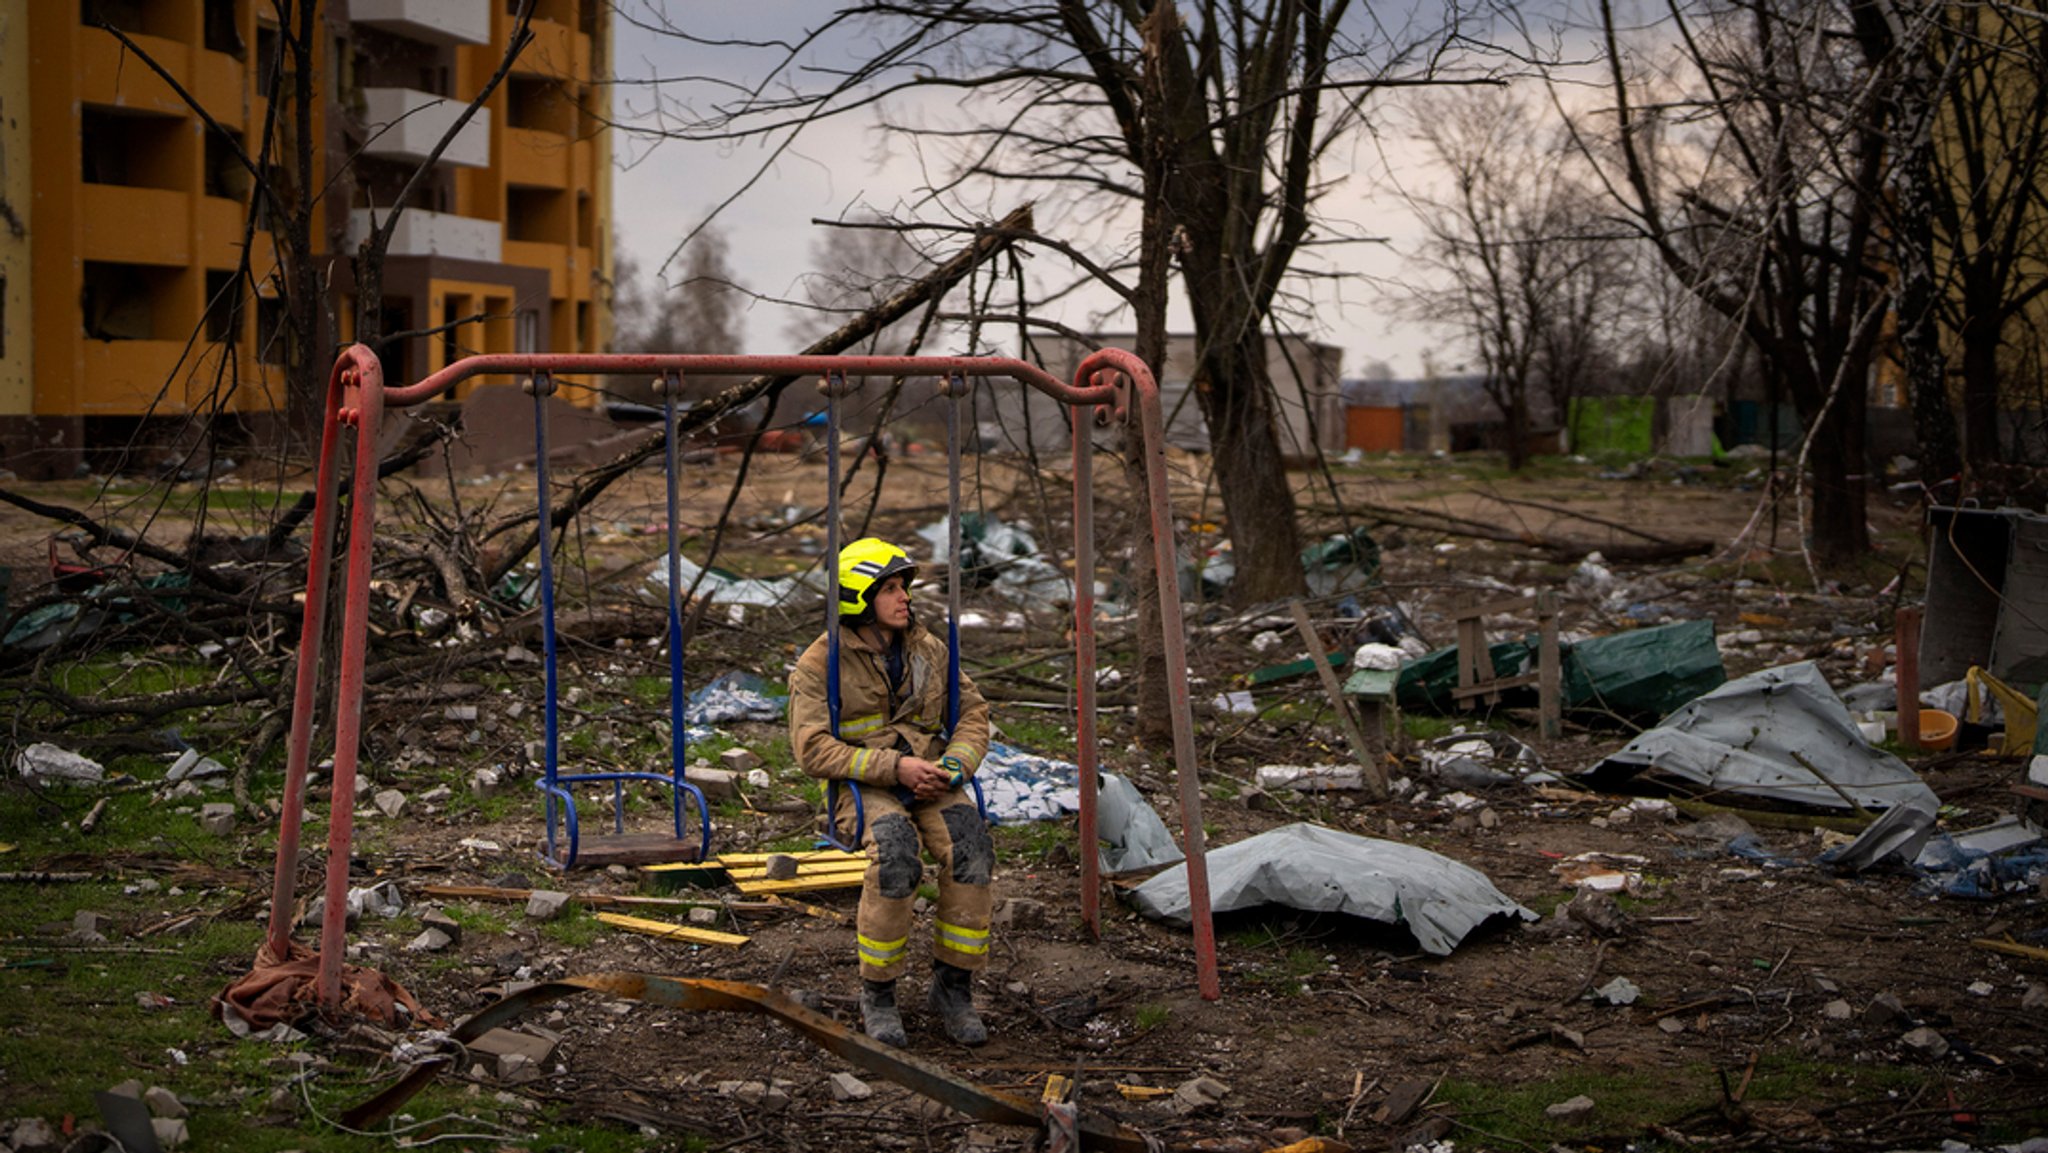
(134, 214)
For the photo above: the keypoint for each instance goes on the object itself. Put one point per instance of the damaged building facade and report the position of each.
(127, 216)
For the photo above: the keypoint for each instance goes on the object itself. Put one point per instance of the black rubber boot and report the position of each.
(952, 998)
(878, 1016)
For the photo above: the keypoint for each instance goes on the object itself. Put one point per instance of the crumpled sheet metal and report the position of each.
(1321, 870)
(703, 995)
(1778, 735)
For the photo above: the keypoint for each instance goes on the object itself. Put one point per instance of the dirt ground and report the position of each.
(1775, 1002)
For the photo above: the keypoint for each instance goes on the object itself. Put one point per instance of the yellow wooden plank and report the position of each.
(741, 860)
(827, 870)
(679, 867)
(669, 932)
(802, 884)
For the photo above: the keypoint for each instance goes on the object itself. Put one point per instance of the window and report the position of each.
(273, 334)
(223, 307)
(527, 336)
(117, 147)
(226, 177)
(269, 57)
(224, 28)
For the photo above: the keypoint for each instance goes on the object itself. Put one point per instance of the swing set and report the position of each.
(1109, 385)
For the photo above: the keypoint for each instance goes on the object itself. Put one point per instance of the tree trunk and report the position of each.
(1980, 338)
(1518, 428)
(1237, 399)
(1840, 524)
(1148, 302)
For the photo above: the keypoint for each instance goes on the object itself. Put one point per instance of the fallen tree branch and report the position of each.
(987, 244)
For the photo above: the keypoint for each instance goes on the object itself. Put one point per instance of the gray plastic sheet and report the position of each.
(1319, 870)
(1777, 735)
(1133, 837)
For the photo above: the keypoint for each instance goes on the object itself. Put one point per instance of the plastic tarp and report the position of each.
(1780, 735)
(732, 589)
(1641, 674)
(735, 696)
(1021, 786)
(1321, 870)
(1133, 837)
(1003, 557)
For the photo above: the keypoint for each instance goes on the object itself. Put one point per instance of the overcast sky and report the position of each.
(665, 188)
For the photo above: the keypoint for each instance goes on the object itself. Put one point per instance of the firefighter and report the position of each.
(911, 776)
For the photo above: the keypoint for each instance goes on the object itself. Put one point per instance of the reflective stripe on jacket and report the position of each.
(870, 721)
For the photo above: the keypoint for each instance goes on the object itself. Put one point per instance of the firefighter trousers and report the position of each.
(950, 828)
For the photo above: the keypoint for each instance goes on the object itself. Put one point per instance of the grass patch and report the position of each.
(574, 928)
(1151, 1015)
(1039, 734)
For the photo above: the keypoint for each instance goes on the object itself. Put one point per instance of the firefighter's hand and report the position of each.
(922, 777)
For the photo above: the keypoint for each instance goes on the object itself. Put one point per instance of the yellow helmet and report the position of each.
(864, 564)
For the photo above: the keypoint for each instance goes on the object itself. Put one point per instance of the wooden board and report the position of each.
(634, 849)
(668, 932)
(802, 884)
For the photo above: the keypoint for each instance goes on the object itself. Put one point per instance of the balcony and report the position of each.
(125, 225)
(557, 50)
(434, 21)
(406, 124)
(123, 377)
(537, 159)
(537, 254)
(421, 233)
(108, 75)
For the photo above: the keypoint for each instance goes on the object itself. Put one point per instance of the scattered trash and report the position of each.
(1003, 557)
(1238, 702)
(1926, 1042)
(1021, 786)
(1312, 778)
(1603, 872)
(2006, 856)
(389, 802)
(47, 763)
(1316, 869)
(379, 900)
(1780, 735)
(734, 590)
(1341, 563)
(1620, 991)
(1484, 760)
(1379, 657)
(734, 696)
(847, 1087)
(1897, 835)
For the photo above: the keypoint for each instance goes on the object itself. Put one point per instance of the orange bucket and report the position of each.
(1937, 730)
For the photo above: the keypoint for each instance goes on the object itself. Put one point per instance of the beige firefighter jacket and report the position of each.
(870, 721)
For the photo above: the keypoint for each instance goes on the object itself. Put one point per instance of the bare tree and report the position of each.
(1965, 85)
(699, 312)
(1753, 166)
(1212, 120)
(1513, 276)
